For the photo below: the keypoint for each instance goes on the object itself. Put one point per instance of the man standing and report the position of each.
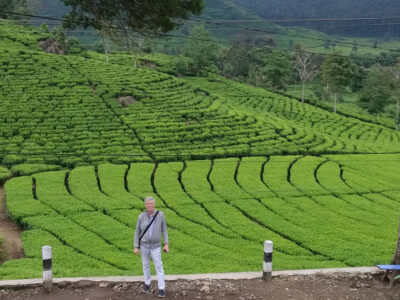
(150, 225)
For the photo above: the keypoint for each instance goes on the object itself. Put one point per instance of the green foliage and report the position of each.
(68, 114)
(139, 16)
(60, 34)
(375, 93)
(44, 27)
(270, 68)
(202, 50)
(337, 71)
(182, 65)
(17, 6)
(235, 59)
(319, 211)
(4, 174)
(28, 169)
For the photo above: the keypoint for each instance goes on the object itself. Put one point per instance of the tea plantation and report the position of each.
(230, 165)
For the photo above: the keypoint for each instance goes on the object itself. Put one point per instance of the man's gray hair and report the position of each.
(149, 198)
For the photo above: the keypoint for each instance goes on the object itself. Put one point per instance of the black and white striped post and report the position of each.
(47, 267)
(267, 265)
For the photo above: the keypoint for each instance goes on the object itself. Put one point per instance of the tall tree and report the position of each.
(270, 67)
(61, 36)
(138, 15)
(135, 42)
(395, 72)
(306, 65)
(336, 73)
(202, 50)
(236, 56)
(375, 93)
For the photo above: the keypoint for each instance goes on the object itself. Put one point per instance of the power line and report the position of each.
(343, 25)
(227, 21)
(32, 22)
(240, 28)
(160, 35)
(303, 20)
(293, 35)
(221, 24)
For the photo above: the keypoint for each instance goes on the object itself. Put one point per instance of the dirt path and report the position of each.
(10, 233)
(347, 286)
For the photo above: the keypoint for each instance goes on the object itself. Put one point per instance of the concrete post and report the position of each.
(47, 267)
(267, 265)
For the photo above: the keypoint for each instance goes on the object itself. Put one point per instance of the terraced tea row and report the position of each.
(342, 134)
(327, 211)
(52, 117)
(63, 110)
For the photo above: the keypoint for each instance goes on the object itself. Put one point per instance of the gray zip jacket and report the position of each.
(160, 227)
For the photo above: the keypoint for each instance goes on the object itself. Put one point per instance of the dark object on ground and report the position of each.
(161, 294)
(146, 289)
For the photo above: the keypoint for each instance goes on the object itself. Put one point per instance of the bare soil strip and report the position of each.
(10, 232)
(339, 286)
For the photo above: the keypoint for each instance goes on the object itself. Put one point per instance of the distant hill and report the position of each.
(294, 9)
(316, 9)
(276, 9)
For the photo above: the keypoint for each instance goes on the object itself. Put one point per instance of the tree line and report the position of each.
(254, 60)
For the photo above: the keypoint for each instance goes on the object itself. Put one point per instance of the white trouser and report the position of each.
(156, 256)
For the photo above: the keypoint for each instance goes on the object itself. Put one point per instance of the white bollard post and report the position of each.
(47, 267)
(267, 265)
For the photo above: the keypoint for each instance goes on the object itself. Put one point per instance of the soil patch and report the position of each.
(51, 46)
(125, 101)
(294, 287)
(10, 232)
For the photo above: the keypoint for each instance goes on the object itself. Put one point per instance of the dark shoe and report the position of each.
(161, 294)
(146, 289)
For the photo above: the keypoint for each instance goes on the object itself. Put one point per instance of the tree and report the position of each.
(359, 76)
(337, 71)
(44, 27)
(104, 44)
(18, 6)
(375, 93)
(61, 36)
(270, 67)
(136, 44)
(202, 50)
(138, 15)
(395, 73)
(237, 55)
(306, 66)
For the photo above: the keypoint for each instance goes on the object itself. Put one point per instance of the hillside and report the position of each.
(69, 107)
(341, 9)
(314, 9)
(364, 33)
(231, 165)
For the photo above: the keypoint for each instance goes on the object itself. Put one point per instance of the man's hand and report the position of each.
(136, 251)
(166, 248)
